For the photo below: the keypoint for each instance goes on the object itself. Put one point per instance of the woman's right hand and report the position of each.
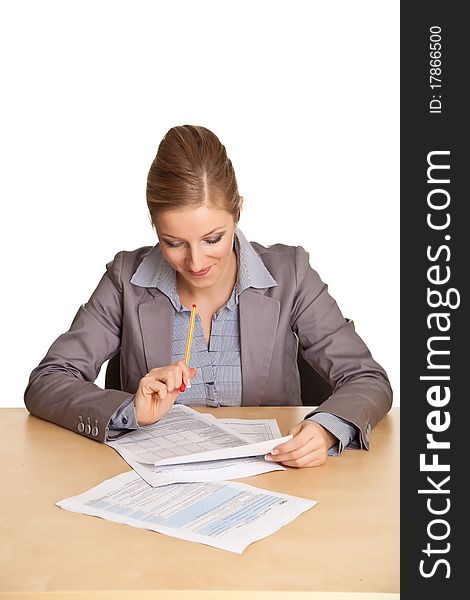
(158, 391)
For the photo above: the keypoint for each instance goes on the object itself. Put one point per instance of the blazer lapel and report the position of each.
(156, 326)
(259, 315)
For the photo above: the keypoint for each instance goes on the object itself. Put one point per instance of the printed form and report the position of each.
(229, 516)
(252, 430)
(185, 436)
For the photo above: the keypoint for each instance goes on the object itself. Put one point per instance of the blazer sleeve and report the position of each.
(61, 388)
(361, 394)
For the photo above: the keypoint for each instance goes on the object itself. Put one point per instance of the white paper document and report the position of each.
(213, 470)
(254, 430)
(185, 436)
(229, 516)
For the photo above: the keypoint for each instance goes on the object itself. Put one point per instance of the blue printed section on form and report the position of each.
(180, 518)
(239, 517)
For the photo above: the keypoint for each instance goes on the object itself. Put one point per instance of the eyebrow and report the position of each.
(174, 237)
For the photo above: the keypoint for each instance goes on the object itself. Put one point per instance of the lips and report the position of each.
(200, 273)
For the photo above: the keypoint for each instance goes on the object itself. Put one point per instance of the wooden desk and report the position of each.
(347, 546)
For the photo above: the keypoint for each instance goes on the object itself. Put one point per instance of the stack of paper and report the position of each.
(178, 484)
(186, 446)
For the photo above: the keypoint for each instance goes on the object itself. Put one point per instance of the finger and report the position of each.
(184, 372)
(161, 373)
(176, 375)
(186, 383)
(192, 375)
(296, 454)
(181, 373)
(309, 439)
(170, 378)
(310, 460)
(152, 386)
(166, 375)
(300, 439)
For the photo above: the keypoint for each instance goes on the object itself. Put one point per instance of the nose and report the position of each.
(195, 259)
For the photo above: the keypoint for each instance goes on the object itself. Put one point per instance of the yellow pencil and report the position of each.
(189, 341)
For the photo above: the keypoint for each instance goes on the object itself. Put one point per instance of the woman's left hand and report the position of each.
(308, 448)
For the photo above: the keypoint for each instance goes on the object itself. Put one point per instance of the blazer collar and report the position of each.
(259, 317)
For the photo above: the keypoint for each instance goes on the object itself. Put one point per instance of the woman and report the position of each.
(254, 306)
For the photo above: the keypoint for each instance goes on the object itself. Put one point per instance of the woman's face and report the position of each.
(198, 243)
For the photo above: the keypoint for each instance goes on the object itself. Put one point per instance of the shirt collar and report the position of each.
(155, 272)
(252, 272)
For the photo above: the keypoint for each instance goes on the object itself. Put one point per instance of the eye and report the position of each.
(173, 244)
(215, 240)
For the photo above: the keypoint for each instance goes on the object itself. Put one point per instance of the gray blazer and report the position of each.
(139, 322)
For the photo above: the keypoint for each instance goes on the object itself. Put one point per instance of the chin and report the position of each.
(202, 282)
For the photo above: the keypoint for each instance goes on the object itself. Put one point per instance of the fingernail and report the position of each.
(267, 457)
(188, 384)
(274, 452)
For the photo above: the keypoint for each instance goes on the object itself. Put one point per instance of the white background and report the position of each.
(304, 95)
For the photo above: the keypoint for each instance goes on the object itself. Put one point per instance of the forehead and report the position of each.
(199, 221)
